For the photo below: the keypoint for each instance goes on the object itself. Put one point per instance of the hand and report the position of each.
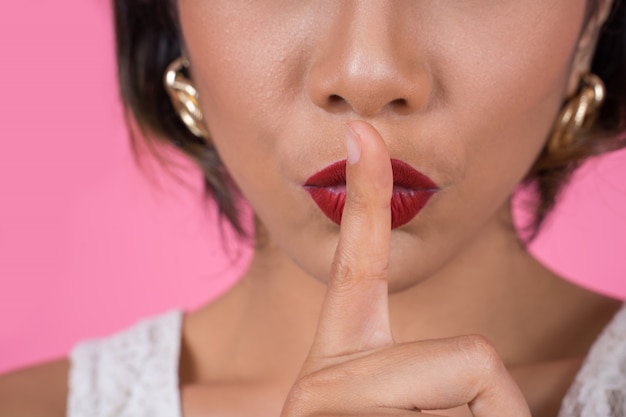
(354, 367)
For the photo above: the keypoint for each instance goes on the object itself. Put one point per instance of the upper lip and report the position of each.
(404, 176)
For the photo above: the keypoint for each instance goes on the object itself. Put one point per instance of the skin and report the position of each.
(470, 106)
(367, 320)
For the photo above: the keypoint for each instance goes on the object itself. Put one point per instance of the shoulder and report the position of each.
(35, 391)
(131, 373)
(599, 389)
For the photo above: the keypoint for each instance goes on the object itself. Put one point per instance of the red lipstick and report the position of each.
(411, 191)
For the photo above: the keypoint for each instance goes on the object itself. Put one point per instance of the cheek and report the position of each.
(249, 72)
(503, 78)
(500, 83)
(244, 52)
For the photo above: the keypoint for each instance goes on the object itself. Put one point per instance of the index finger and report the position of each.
(355, 314)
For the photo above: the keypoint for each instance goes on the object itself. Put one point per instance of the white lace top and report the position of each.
(131, 374)
(135, 373)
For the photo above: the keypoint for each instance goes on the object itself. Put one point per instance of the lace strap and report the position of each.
(133, 373)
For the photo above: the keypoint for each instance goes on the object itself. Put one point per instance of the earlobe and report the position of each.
(577, 116)
(184, 97)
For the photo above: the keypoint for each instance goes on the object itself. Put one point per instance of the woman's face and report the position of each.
(465, 91)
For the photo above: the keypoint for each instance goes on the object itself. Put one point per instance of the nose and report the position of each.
(368, 64)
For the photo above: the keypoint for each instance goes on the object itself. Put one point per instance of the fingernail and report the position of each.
(353, 146)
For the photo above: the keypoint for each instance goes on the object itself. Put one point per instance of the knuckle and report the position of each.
(376, 270)
(308, 394)
(342, 273)
(301, 397)
(347, 271)
(479, 352)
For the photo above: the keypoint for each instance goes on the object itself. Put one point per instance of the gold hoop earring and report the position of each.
(578, 113)
(185, 98)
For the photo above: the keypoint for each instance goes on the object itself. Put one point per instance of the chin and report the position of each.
(405, 272)
(397, 285)
(405, 279)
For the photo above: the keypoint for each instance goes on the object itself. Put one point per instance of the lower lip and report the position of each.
(405, 203)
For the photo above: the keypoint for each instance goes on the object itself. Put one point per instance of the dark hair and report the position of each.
(551, 171)
(148, 39)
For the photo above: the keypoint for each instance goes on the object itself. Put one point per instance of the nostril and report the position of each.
(336, 103)
(398, 103)
(335, 99)
(400, 106)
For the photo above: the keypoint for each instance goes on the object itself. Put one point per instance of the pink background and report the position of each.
(89, 243)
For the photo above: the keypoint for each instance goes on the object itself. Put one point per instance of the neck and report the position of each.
(493, 288)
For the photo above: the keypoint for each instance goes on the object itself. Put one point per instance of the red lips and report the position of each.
(411, 191)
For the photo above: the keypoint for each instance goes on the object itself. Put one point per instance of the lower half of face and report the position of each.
(464, 91)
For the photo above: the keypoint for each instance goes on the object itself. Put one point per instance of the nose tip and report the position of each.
(362, 68)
